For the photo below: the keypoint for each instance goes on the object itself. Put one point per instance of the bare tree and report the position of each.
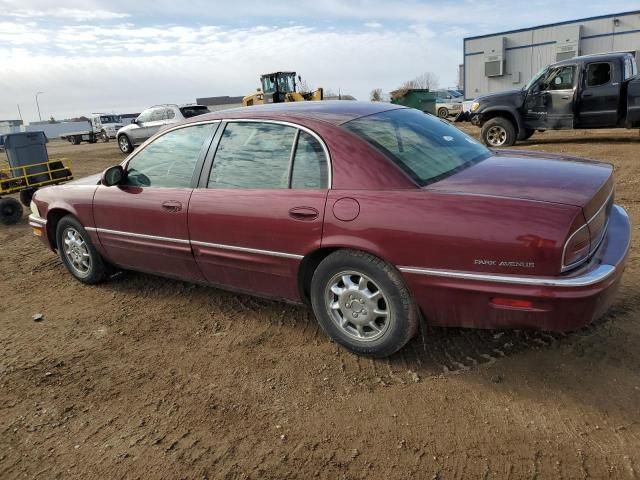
(376, 95)
(427, 80)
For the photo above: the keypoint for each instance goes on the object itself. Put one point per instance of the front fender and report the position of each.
(508, 112)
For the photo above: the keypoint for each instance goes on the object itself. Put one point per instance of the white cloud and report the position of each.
(124, 68)
(69, 14)
(373, 25)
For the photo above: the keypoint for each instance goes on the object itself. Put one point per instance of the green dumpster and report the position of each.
(418, 98)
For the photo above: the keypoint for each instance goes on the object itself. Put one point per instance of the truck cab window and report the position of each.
(598, 74)
(560, 78)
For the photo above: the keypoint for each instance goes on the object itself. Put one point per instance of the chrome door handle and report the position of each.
(172, 206)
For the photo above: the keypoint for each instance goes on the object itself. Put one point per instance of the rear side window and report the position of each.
(310, 164)
(193, 111)
(253, 155)
(170, 160)
(426, 148)
(598, 74)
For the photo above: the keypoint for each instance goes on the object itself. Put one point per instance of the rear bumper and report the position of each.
(562, 303)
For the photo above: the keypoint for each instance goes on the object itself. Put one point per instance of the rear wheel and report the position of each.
(26, 196)
(105, 136)
(124, 144)
(75, 140)
(498, 132)
(77, 252)
(10, 211)
(443, 112)
(361, 302)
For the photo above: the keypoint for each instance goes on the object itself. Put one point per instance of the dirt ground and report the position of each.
(143, 377)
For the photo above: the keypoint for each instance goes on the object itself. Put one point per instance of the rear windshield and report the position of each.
(426, 148)
(193, 111)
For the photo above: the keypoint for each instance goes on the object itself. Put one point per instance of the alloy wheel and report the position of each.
(76, 251)
(357, 306)
(496, 136)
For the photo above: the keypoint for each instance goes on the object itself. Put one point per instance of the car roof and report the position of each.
(331, 111)
(594, 56)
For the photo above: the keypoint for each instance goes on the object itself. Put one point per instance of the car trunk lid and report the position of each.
(535, 176)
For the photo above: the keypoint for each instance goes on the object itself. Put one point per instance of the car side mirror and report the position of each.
(112, 176)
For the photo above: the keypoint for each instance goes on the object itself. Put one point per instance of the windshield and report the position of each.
(193, 111)
(453, 93)
(110, 119)
(536, 77)
(426, 148)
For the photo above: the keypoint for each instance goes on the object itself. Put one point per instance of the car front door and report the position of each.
(138, 134)
(142, 223)
(600, 95)
(549, 103)
(260, 207)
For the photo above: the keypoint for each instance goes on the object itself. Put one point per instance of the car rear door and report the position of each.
(142, 224)
(600, 95)
(260, 206)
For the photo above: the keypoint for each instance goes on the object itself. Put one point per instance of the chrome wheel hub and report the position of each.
(124, 144)
(496, 136)
(76, 251)
(357, 306)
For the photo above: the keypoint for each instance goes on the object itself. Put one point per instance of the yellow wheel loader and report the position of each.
(281, 87)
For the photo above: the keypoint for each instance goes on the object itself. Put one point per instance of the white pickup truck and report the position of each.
(102, 126)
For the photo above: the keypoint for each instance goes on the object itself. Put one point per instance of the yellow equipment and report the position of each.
(25, 180)
(281, 87)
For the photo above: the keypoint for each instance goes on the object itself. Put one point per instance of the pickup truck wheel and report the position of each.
(105, 136)
(10, 211)
(362, 303)
(443, 112)
(124, 144)
(77, 252)
(498, 132)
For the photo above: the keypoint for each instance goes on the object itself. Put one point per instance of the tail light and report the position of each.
(586, 237)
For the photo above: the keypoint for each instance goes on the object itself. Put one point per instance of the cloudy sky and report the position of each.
(123, 55)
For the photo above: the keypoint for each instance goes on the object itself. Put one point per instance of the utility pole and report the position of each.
(20, 113)
(38, 105)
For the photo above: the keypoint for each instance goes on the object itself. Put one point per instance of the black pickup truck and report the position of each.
(592, 91)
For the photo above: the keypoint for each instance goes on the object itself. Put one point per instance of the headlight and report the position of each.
(475, 106)
(34, 209)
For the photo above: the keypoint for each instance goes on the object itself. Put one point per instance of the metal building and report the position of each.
(507, 60)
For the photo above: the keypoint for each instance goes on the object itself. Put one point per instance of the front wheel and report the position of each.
(443, 112)
(105, 136)
(498, 132)
(124, 144)
(77, 252)
(361, 302)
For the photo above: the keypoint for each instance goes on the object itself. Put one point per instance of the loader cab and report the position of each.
(276, 86)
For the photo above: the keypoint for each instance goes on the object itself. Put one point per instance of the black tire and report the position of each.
(10, 211)
(26, 196)
(527, 134)
(75, 140)
(391, 332)
(125, 144)
(498, 132)
(78, 255)
(443, 112)
(105, 136)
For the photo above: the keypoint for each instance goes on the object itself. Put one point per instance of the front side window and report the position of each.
(426, 148)
(598, 74)
(253, 155)
(145, 116)
(170, 160)
(560, 78)
(170, 113)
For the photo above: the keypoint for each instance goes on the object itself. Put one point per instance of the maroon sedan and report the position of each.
(374, 214)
